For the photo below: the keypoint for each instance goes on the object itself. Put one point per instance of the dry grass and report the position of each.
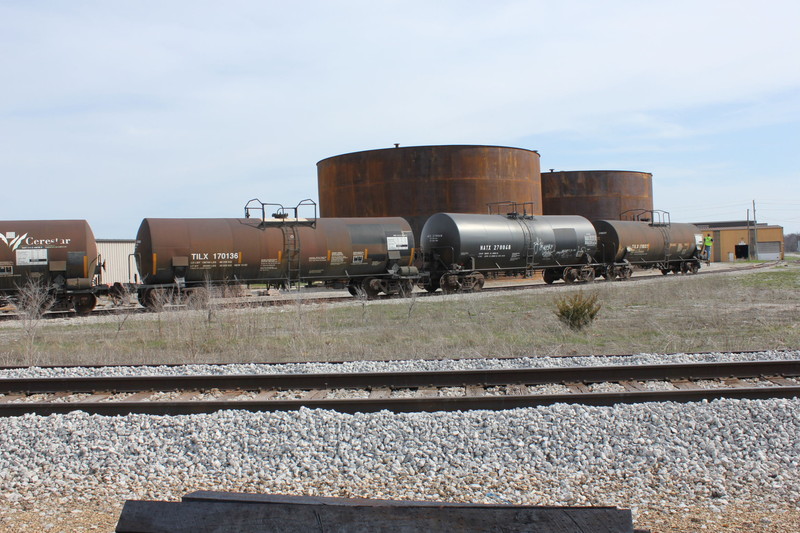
(750, 311)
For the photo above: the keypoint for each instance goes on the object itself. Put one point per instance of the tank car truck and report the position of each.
(459, 250)
(59, 256)
(365, 255)
(648, 241)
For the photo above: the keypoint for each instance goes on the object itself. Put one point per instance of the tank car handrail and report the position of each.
(513, 206)
(282, 214)
(657, 217)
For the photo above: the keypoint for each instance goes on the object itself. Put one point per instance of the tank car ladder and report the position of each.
(291, 247)
(289, 221)
(529, 255)
(512, 212)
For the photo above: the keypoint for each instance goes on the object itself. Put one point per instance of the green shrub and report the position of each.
(577, 311)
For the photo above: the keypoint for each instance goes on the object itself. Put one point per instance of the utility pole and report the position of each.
(755, 231)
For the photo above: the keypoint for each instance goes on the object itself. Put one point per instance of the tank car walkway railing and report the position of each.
(403, 391)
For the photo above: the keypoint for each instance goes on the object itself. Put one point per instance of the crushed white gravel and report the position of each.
(665, 455)
(396, 366)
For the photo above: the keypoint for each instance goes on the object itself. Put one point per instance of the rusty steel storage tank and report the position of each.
(338, 251)
(458, 249)
(59, 254)
(596, 194)
(667, 246)
(416, 182)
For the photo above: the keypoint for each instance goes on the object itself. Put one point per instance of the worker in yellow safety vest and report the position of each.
(708, 242)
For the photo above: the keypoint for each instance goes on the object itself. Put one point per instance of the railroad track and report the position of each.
(402, 392)
(343, 296)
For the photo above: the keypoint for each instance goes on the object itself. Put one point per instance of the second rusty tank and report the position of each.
(416, 182)
(596, 194)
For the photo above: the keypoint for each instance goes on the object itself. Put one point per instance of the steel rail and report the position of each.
(451, 378)
(397, 405)
(388, 380)
(344, 296)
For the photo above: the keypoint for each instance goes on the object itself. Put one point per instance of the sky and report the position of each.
(114, 111)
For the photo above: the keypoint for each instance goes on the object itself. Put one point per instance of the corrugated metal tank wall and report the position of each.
(416, 182)
(596, 194)
(118, 257)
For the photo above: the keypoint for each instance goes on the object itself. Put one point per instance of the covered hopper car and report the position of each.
(54, 261)
(365, 255)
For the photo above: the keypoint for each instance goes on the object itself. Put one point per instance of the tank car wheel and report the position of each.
(352, 289)
(431, 287)
(84, 304)
(406, 288)
(549, 276)
(694, 267)
(154, 299)
(676, 269)
(684, 268)
(198, 298)
(479, 282)
(449, 284)
(626, 273)
(571, 275)
(665, 271)
(589, 275)
(370, 293)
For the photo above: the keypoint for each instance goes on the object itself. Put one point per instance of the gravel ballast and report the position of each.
(397, 366)
(659, 456)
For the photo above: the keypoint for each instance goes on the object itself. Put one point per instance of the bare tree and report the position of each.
(791, 241)
(33, 300)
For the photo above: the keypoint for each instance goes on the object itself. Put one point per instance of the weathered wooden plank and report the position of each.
(632, 386)
(98, 397)
(685, 384)
(577, 387)
(139, 396)
(265, 395)
(782, 381)
(380, 392)
(11, 398)
(735, 382)
(223, 513)
(315, 394)
(475, 391)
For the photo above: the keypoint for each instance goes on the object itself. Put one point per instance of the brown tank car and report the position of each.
(59, 256)
(654, 243)
(365, 255)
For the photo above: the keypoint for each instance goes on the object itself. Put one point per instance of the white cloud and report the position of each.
(199, 106)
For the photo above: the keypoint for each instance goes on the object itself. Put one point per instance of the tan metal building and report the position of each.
(741, 240)
(120, 266)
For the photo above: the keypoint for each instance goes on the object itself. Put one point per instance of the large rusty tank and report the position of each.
(416, 182)
(373, 254)
(60, 255)
(596, 194)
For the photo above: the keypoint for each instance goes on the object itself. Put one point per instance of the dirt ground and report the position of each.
(103, 516)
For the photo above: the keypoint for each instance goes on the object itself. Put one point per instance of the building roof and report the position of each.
(734, 224)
